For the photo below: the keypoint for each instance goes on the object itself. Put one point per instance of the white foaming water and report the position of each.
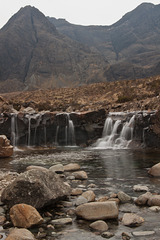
(116, 134)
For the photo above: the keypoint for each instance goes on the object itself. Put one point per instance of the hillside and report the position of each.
(130, 95)
(34, 54)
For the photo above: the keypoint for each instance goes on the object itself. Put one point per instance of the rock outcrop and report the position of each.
(37, 188)
(6, 150)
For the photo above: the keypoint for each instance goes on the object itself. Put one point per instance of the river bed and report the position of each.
(110, 170)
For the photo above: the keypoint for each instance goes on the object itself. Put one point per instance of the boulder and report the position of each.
(132, 220)
(6, 150)
(80, 175)
(97, 210)
(142, 199)
(155, 170)
(20, 234)
(76, 191)
(99, 226)
(72, 167)
(89, 195)
(37, 188)
(25, 216)
(154, 200)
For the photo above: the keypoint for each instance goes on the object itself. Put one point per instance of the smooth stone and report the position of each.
(89, 195)
(59, 168)
(76, 191)
(140, 188)
(99, 226)
(20, 234)
(72, 167)
(132, 220)
(25, 216)
(80, 175)
(155, 209)
(155, 170)
(154, 200)
(142, 199)
(80, 200)
(36, 167)
(107, 235)
(143, 233)
(61, 221)
(123, 197)
(98, 210)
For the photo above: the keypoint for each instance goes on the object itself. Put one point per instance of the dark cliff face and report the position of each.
(134, 39)
(34, 54)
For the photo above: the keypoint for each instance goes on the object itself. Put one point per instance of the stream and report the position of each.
(110, 170)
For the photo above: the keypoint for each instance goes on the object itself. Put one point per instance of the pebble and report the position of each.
(107, 234)
(143, 233)
(140, 188)
(61, 221)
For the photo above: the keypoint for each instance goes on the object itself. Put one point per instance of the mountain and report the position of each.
(133, 40)
(42, 52)
(33, 54)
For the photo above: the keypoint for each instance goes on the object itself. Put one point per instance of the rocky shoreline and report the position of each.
(81, 206)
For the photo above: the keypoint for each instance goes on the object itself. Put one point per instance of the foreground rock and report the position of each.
(155, 170)
(20, 234)
(37, 188)
(25, 216)
(97, 210)
(99, 226)
(6, 150)
(132, 220)
(80, 175)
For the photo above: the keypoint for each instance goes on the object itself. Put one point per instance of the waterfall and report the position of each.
(14, 130)
(65, 130)
(29, 130)
(117, 133)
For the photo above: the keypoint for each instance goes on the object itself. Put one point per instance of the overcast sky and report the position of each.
(84, 12)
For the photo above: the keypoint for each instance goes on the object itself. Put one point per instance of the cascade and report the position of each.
(66, 131)
(117, 132)
(29, 130)
(14, 130)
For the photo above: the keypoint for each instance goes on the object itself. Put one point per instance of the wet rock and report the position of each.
(97, 211)
(132, 220)
(76, 191)
(57, 168)
(155, 209)
(80, 200)
(116, 200)
(99, 226)
(154, 200)
(92, 185)
(20, 234)
(61, 221)
(72, 167)
(25, 216)
(142, 199)
(80, 175)
(89, 195)
(2, 219)
(107, 235)
(36, 167)
(140, 188)
(155, 170)
(143, 233)
(126, 236)
(6, 150)
(37, 188)
(123, 197)
(103, 199)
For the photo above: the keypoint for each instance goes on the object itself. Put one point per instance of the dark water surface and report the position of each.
(110, 170)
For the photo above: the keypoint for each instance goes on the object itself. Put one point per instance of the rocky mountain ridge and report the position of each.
(40, 52)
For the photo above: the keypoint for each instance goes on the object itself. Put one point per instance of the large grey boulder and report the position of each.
(37, 188)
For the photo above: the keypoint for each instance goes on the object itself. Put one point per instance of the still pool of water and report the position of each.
(111, 171)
